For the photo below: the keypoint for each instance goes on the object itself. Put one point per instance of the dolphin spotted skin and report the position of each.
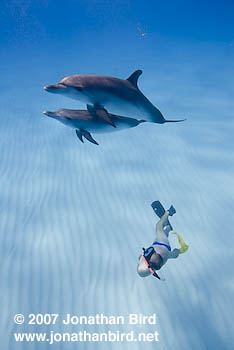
(107, 93)
(85, 122)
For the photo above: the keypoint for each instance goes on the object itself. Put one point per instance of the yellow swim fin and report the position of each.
(183, 246)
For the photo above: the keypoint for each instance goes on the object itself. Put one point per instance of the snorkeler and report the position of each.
(154, 257)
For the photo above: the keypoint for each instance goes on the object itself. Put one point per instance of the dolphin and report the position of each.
(104, 93)
(84, 122)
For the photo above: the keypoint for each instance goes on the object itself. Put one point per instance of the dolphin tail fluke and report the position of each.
(98, 111)
(174, 121)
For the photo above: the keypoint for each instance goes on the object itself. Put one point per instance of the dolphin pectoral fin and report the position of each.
(133, 79)
(98, 111)
(102, 113)
(79, 135)
(88, 136)
(91, 110)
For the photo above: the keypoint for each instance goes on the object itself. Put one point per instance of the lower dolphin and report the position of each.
(85, 122)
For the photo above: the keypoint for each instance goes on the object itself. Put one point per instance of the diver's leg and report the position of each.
(161, 235)
(167, 226)
(162, 222)
(167, 229)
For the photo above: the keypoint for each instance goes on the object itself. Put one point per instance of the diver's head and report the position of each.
(147, 266)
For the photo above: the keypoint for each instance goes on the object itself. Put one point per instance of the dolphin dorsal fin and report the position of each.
(134, 77)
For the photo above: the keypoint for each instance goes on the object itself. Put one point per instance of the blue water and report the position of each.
(75, 216)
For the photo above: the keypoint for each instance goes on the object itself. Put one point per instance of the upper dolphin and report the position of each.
(118, 96)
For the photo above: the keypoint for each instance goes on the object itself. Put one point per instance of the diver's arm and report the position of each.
(174, 254)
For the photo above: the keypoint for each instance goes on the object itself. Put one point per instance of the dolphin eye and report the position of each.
(67, 118)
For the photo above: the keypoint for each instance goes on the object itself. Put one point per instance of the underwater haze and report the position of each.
(74, 217)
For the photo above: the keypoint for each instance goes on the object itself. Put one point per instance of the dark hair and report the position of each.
(155, 266)
(156, 261)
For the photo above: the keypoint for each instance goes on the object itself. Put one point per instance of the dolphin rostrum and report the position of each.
(85, 122)
(107, 93)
